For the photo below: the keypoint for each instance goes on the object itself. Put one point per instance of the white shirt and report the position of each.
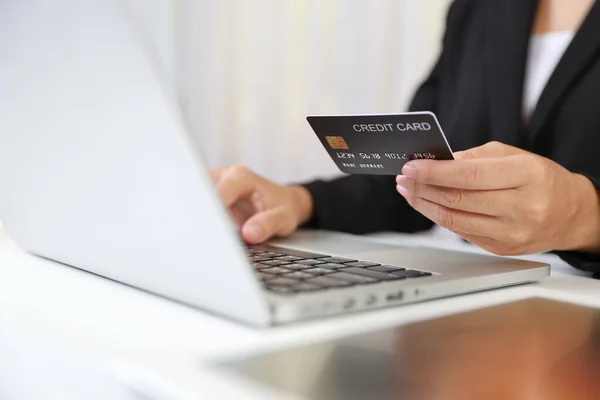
(545, 52)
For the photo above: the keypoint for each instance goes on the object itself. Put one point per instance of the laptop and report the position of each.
(98, 171)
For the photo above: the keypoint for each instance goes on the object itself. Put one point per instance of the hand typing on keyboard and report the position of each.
(262, 209)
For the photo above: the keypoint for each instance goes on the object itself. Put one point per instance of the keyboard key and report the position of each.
(254, 251)
(299, 275)
(260, 266)
(337, 260)
(318, 271)
(274, 262)
(328, 282)
(258, 258)
(297, 267)
(411, 274)
(283, 282)
(311, 262)
(352, 278)
(289, 258)
(306, 287)
(275, 270)
(386, 268)
(420, 274)
(281, 289)
(372, 274)
(265, 277)
(332, 266)
(362, 264)
(271, 254)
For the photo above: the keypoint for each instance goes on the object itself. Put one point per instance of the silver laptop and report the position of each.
(98, 171)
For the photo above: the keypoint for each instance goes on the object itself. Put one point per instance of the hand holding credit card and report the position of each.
(380, 144)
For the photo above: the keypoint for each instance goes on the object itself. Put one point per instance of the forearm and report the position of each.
(362, 204)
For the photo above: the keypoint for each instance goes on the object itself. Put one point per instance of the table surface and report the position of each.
(528, 349)
(159, 346)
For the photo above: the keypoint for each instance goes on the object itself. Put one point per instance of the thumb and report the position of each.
(489, 150)
(264, 225)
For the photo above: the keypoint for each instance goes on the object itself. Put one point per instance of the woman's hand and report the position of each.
(261, 208)
(506, 200)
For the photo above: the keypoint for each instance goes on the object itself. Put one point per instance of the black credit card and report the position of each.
(381, 144)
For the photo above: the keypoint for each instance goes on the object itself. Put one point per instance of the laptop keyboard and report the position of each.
(286, 271)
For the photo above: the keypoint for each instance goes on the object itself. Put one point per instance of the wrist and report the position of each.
(585, 229)
(303, 203)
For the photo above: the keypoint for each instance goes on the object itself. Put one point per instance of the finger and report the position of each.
(241, 211)
(498, 203)
(487, 244)
(216, 173)
(264, 225)
(496, 246)
(457, 221)
(234, 184)
(473, 174)
(489, 150)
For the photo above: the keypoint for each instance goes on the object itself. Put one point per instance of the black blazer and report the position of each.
(476, 90)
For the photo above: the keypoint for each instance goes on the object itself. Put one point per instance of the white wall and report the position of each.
(248, 72)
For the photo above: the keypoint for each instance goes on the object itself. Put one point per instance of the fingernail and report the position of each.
(458, 155)
(401, 181)
(253, 233)
(410, 171)
(402, 190)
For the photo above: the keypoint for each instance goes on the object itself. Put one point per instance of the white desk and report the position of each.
(143, 336)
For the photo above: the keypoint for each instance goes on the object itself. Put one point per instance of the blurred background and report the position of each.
(248, 72)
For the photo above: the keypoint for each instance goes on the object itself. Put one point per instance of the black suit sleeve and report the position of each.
(363, 204)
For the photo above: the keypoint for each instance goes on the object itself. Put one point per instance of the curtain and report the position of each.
(248, 72)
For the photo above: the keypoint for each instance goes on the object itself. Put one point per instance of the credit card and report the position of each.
(381, 144)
